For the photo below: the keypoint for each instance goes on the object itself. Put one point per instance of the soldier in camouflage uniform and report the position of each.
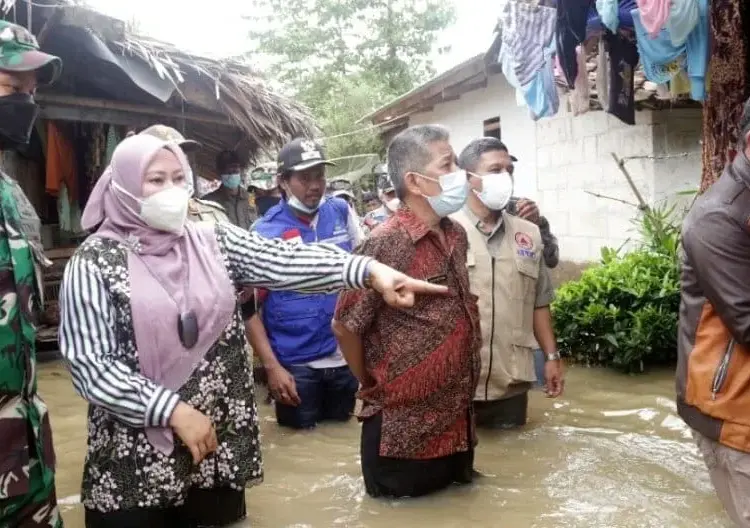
(27, 458)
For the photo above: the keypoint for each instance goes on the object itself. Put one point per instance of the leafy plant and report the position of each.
(623, 312)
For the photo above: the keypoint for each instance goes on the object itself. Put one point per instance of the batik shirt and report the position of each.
(425, 359)
(24, 425)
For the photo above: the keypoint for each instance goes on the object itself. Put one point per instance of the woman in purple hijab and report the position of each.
(154, 339)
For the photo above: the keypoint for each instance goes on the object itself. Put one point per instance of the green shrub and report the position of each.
(623, 312)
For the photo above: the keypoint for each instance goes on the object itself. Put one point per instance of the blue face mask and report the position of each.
(231, 181)
(455, 192)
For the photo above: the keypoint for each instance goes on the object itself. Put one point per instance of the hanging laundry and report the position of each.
(661, 59)
(602, 75)
(580, 97)
(680, 84)
(570, 31)
(683, 17)
(623, 58)
(541, 95)
(608, 14)
(653, 15)
(729, 87)
(529, 29)
(61, 162)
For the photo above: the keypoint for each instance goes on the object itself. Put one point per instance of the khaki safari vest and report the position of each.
(205, 211)
(504, 275)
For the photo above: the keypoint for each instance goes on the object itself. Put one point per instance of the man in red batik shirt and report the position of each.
(418, 367)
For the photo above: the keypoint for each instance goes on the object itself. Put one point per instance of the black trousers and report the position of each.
(502, 414)
(202, 509)
(395, 477)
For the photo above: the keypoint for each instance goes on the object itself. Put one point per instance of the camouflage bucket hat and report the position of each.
(263, 179)
(19, 52)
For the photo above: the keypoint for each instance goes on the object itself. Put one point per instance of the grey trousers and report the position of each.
(730, 474)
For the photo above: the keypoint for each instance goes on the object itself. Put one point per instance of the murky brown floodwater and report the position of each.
(612, 453)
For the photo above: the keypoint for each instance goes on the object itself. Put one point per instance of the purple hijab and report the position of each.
(169, 273)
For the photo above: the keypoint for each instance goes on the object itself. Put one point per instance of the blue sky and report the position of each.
(220, 30)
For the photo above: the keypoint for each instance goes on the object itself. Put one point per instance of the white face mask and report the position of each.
(497, 190)
(165, 210)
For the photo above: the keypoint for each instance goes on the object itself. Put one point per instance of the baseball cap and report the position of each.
(502, 146)
(171, 135)
(343, 192)
(19, 52)
(300, 154)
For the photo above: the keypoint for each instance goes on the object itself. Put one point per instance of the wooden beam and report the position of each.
(153, 111)
(94, 115)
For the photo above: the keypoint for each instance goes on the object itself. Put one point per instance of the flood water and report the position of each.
(611, 453)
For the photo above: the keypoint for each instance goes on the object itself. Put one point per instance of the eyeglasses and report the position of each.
(187, 328)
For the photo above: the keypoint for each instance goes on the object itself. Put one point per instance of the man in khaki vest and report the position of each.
(507, 271)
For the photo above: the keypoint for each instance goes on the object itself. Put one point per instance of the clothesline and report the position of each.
(540, 43)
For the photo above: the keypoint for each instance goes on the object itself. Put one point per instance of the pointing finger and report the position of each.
(420, 286)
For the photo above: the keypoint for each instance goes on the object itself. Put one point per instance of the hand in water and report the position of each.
(399, 290)
(553, 376)
(195, 430)
(528, 210)
(282, 387)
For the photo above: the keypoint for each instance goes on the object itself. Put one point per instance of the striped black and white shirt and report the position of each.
(88, 339)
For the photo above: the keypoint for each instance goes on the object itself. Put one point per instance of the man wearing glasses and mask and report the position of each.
(27, 458)
(507, 257)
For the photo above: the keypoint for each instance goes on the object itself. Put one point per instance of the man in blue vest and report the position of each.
(307, 375)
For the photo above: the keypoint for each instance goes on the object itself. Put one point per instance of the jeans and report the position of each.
(539, 361)
(325, 394)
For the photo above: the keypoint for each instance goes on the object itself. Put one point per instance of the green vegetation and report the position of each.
(623, 312)
(345, 58)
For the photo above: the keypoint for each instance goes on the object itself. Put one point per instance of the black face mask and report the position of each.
(264, 203)
(18, 112)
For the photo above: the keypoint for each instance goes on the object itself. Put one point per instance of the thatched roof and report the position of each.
(241, 93)
(224, 104)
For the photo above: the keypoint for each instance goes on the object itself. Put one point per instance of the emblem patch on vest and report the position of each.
(524, 241)
(525, 245)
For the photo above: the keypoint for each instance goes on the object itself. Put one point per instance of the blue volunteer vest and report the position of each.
(299, 324)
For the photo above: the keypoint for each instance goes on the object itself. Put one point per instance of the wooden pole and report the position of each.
(101, 104)
(642, 205)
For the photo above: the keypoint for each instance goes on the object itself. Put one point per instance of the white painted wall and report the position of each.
(563, 157)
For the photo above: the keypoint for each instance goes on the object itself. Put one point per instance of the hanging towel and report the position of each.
(541, 95)
(61, 163)
(653, 15)
(662, 60)
(608, 13)
(683, 17)
(602, 74)
(623, 58)
(570, 31)
(529, 29)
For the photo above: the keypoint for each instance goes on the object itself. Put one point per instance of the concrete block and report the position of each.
(553, 131)
(575, 248)
(590, 124)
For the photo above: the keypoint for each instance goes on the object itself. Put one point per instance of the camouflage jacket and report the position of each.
(24, 425)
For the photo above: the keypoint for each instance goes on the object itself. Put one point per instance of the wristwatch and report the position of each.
(553, 356)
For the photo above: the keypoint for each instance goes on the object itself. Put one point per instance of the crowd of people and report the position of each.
(433, 310)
